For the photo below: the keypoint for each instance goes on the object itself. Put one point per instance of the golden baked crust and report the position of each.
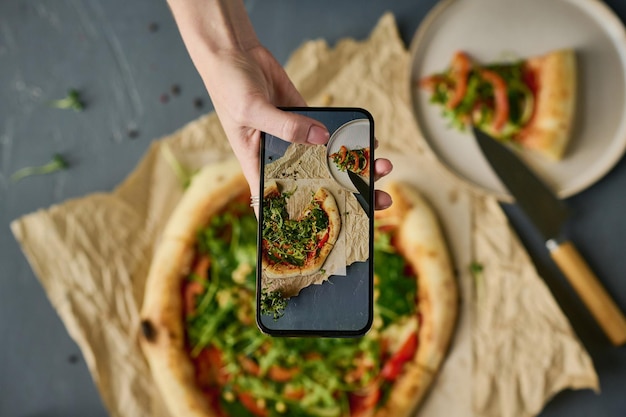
(329, 205)
(549, 130)
(423, 245)
(163, 339)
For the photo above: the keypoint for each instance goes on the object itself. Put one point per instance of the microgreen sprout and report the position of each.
(183, 174)
(71, 101)
(477, 269)
(56, 164)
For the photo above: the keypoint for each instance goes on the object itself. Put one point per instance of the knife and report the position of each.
(363, 195)
(548, 214)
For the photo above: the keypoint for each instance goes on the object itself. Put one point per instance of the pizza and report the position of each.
(297, 247)
(207, 357)
(530, 102)
(355, 160)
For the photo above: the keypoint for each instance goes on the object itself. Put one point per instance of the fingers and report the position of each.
(382, 200)
(288, 126)
(382, 167)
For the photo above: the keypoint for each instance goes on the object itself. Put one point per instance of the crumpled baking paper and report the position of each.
(513, 349)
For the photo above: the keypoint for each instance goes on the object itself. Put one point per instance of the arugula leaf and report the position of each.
(397, 289)
(56, 164)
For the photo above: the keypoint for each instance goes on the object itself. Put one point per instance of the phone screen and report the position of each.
(315, 269)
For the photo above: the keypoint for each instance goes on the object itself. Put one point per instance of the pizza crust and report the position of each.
(408, 392)
(163, 339)
(329, 205)
(423, 245)
(550, 128)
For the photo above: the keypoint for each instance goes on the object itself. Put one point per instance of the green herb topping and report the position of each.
(56, 164)
(255, 374)
(71, 101)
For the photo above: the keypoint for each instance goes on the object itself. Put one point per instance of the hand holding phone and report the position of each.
(315, 271)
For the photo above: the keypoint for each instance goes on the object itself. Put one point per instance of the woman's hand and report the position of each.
(247, 84)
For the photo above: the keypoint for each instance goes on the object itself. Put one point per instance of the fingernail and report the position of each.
(317, 135)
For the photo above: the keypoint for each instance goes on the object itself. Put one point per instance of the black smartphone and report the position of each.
(316, 213)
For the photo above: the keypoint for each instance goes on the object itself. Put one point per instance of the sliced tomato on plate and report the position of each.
(460, 69)
(501, 109)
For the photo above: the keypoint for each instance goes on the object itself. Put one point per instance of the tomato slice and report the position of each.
(355, 165)
(362, 404)
(214, 396)
(323, 241)
(343, 151)
(460, 69)
(366, 164)
(210, 370)
(293, 393)
(201, 267)
(251, 405)
(394, 365)
(501, 98)
(249, 365)
(193, 289)
(279, 374)
(429, 83)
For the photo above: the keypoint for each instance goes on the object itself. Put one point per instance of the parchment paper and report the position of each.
(513, 348)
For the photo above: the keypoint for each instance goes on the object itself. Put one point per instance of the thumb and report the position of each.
(289, 126)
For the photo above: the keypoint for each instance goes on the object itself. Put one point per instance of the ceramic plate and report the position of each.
(353, 135)
(491, 30)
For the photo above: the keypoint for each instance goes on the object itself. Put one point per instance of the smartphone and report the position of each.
(316, 213)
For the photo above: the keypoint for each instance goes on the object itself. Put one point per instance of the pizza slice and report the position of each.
(530, 102)
(355, 160)
(209, 360)
(297, 247)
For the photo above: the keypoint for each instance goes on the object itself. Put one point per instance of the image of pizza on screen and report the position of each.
(315, 237)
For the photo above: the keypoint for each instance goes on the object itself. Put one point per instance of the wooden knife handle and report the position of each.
(590, 290)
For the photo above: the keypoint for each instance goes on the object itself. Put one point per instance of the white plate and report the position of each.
(354, 134)
(492, 29)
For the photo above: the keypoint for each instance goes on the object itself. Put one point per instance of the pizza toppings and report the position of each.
(299, 246)
(209, 359)
(397, 291)
(501, 100)
(355, 160)
(459, 72)
(272, 304)
(290, 241)
(246, 373)
(494, 97)
(528, 101)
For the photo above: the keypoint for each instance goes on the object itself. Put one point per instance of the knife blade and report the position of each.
(363, 195)
(549, 214)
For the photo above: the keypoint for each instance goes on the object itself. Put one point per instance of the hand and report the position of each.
(246, 84)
